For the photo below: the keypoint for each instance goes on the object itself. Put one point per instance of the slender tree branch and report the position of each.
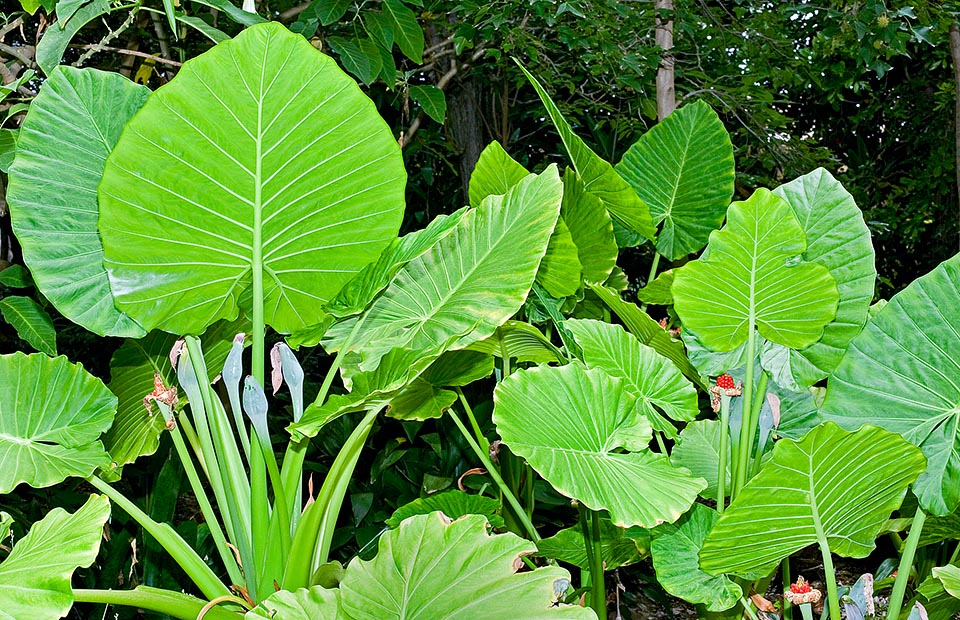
(10, 50)
(119, 50)
(293, 12)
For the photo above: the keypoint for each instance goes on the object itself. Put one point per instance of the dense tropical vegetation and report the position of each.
(411, 310)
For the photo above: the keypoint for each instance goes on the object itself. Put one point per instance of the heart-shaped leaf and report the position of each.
(260, 162)
(834, 487)
(431, 568)
(683, 169)
(51, 415)
(903, 373)
(72, 126)
(652, 379)
(572, 425)
(675, 547)
(35, 577)
(838, 239)
(454, 504)
(495, 173)
(752, 275)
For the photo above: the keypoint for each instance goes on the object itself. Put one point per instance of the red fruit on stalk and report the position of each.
(725, 382)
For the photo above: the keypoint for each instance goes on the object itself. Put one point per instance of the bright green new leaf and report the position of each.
(834, 487)
(30, 6)
(51, 414)
(31, 322)
(659, 292)
(616, 548)
(598, 176)
(260, 160)
(752, 274)
(560, 269)
(652, 379)
(35, 577)
(454, 504)
(431, 99)
(591, 229)
(408, 33)
(495, 173)
(469, 282)
(838, 239)
(683, 169)
(582, 431)
(675, 547)
(698, 450)
(431, 568)
(71, 128)
(949, 576)
(903, 373)
(317, 603)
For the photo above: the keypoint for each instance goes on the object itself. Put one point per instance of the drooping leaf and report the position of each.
(72, 126)
(652, 379)
(214, 34)
(15, 276)
(361, 57)
(616, 548)
(317, 603)
(659, 292)
(469, 282)
(31, 322)
(698, 450)
(495, 173)
(454, 504)
(559, 272)
(753, 275)
(408, 33)
(571, 423)
(598, 176)
(35, 577)
(431, 568)
(522, 341)
(675, 548)
(838, 239)
(683, 169)
(235, 12)
(834, 487)
(431, 99)
(421, 401)
(51, 415)
(303, 190)
(649, 332)
(590, 227)
(903, 373)
(57, 37)
(328, 11)
(380, 28)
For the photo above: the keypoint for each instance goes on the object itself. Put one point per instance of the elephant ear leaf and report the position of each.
(317, 603)
(51, 415)
(430, 567)
(906, 363)
(260, 170)
(751, 275)
(35, 577)
(833, 488)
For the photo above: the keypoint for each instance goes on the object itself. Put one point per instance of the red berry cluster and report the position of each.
(801, 587)
(725, 382)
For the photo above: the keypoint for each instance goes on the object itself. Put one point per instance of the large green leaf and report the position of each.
(51, 414)
(598, 176)
(409, 34)
(674, 549)
(317, 603)
(35, 577)
(903, 373)
(616, 547)
(652, 379)
(431, 568)
(834, 487)
(698, 450)
(260, 160)
(469, 282)
(495, 173)
(581, 430)
(752, 274)
(31, 322)
(454, 504)
(838, 239)
(72, 126)
(683, 169)
(591, 229)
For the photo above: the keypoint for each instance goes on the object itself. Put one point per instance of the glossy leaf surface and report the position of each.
(31, 322)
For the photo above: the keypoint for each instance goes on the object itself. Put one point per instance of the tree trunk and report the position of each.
(666, 93)
(955, 55)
